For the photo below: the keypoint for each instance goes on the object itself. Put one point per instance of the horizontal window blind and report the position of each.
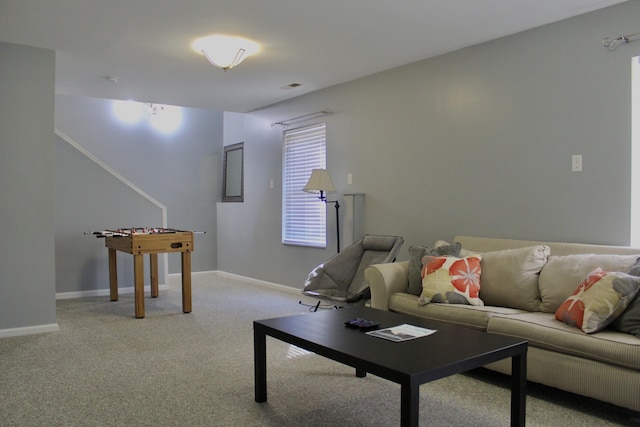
(303, 215)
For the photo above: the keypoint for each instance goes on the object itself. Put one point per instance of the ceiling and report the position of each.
(317, 44)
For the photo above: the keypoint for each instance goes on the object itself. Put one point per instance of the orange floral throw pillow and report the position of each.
(599, 299)
(451, 280)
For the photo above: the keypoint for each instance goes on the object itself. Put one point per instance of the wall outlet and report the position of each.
(576, 163)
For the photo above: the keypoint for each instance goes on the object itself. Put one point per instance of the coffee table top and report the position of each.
(452, 349)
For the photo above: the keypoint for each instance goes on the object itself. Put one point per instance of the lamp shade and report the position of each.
(319, 181)
(223, 51)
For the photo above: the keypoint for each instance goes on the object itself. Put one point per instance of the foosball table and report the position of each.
(151, 241)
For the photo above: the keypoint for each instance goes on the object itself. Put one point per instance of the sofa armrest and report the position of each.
(385, 279)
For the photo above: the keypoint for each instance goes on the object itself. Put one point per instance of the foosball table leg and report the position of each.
(113, 275)
(153, 265)
(186, 282)
(138, 284)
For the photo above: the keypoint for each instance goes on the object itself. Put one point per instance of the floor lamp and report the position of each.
(320, 182)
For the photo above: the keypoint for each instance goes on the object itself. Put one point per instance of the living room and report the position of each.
(478, 141)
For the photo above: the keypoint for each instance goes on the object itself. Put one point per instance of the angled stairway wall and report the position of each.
(101, 199)
(111, 173)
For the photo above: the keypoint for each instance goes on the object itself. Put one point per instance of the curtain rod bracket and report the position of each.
(301, 118)
(612, 44)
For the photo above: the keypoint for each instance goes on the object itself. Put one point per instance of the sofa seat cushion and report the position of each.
(544, 331)
(473, 316)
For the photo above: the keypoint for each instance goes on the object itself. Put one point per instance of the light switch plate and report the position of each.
(576, 163)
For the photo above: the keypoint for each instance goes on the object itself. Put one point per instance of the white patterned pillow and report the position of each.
(451, 280)
(598, 300)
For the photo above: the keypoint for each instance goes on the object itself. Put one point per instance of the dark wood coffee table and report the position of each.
(451, 350)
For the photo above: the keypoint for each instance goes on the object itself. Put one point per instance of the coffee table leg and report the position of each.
(409, 404)
(518, 389)
(260, 365)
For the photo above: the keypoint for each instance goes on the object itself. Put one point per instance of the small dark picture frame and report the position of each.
(233, 173)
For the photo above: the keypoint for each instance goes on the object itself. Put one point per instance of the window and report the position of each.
(303, 215)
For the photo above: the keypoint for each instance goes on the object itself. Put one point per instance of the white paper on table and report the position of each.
(402, 332)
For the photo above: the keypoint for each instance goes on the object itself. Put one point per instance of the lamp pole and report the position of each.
(337, 206)
(320, 181)
(338, 225)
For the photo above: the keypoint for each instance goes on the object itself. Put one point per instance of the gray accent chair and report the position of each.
(340, 281)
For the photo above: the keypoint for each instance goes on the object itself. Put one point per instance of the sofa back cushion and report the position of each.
(510, 277)
(486, 244)
(562, 274)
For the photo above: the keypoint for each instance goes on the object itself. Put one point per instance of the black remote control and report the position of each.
(361, 323)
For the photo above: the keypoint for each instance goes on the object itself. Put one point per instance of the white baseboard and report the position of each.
(129, 290)
(103, 292)
(29, 330)
(258, 282)
(176, 278)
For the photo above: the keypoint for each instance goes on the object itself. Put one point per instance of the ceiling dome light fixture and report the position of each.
(225, 52)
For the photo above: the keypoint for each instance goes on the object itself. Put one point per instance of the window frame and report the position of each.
(304, 216)
(634, 226)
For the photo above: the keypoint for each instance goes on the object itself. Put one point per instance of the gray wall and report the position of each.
(27, 265)
(249, 233)
(180, 171)
(476, 142)
(90, 198)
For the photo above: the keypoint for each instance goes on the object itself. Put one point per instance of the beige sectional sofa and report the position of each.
(522, 285)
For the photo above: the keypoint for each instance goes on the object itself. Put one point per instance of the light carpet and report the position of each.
(106, 368)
